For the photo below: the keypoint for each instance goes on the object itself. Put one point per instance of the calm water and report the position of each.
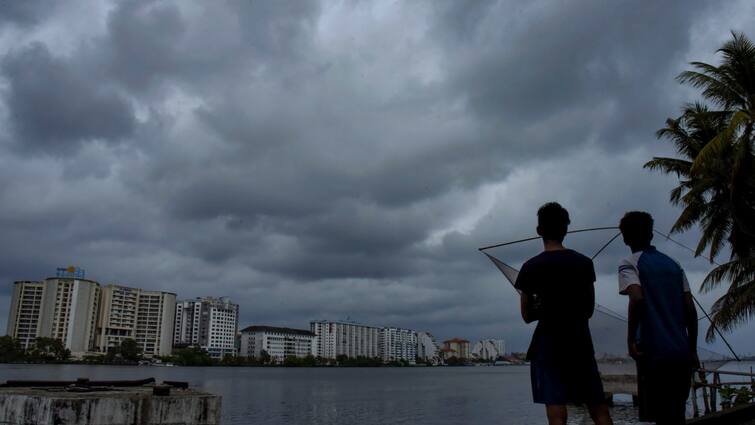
(344, 396)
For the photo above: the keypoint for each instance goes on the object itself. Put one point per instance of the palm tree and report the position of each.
(717, 183)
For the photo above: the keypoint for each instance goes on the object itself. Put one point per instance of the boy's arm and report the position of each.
(527, 306)
(523, 284)
(636, 305)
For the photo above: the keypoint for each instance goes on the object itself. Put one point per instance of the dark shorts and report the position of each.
(662, 391)
(566, 382)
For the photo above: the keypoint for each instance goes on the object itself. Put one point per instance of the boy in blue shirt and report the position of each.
(662, 330)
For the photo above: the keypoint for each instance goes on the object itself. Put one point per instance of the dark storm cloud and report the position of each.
(24, 13)
(332, 160)
(54, 106)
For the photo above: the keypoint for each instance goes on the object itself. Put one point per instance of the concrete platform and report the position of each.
(107, 405)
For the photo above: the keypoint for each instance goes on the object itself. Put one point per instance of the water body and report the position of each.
(344, 396)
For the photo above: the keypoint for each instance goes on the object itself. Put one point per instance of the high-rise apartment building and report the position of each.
(427, 348)
(396, 344)
(333, 339)
(63, 307)
(144, 316)
(208, 323)
(279, 343)
(25, 311)
(90, 318)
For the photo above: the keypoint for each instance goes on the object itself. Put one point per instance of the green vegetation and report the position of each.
(716, 172)
(10, 350)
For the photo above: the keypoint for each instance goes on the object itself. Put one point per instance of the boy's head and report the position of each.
(637, 229)
(552, 222)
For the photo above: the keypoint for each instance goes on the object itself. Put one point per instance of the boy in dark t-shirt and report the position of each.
(557, 291)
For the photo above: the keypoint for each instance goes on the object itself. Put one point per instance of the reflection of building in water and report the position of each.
(455, 347)
(427, 348)
(396, 344)
(279, 343)
(489, 349)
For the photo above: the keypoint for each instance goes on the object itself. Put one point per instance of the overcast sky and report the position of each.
(339, 159)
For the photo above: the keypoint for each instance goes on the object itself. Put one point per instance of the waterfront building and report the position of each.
(396, 344)
(25, 312)
(427, 348)
(456, 347)
(144, 316)
(333, 339)
(62, 307)
(487, 349)
(279, 343)
(209, 323)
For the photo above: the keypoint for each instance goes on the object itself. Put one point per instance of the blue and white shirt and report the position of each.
(662, 333)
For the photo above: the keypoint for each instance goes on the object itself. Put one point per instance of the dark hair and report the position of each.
(637, 228)
(552, 221)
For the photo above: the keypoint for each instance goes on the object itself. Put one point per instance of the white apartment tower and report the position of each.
(63, 307)
(279, 343)
(396, 344)
(427, 348)
(209, 323)
(343, 338)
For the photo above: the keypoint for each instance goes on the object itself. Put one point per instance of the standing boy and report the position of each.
(662, 334)
(557, 291)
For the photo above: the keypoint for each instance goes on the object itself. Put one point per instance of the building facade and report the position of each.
(427, 348)
(208, 323)
(63, 307)
(486, 349)
(456, 347)
(25, 312)
(396, 344)
(144, 316)
(333, 339)
(279, 343)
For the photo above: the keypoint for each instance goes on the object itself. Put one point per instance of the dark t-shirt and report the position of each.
(562, 285)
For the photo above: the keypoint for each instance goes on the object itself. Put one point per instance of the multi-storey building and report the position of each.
(117, 320)
(279, 343)
(145, 316)
(333, 339)
(62, 307)
(456, 347)
(25, 312)
(486, 349)
(396, 344)
(427, 348)
(208, 323)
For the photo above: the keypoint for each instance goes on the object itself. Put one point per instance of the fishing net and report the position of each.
(607, 326)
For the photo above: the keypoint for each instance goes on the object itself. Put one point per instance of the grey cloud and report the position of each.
(54, 106)
(24, 13)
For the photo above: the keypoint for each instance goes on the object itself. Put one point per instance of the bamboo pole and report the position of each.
(704, 383)
(695, 407)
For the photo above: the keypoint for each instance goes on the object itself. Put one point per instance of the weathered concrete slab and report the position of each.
(117, 406)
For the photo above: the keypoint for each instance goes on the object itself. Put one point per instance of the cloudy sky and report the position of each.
(338, 159)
